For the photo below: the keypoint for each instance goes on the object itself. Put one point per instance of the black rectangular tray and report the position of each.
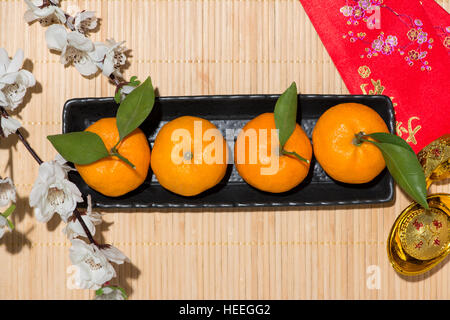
(234, 112)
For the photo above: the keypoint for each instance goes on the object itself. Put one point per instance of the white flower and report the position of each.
(9, 125)
(92, 266)
(7, 192)
(126, 90)
(63, 163)
(14, 82)
(110, 56)
(84, 21)
(74, 47)
(114, 255)
(110, 293)
(3, 225)
(91, 219)
(47, 15)
(53, 192)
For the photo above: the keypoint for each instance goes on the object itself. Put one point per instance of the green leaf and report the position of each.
(79, 147)
(117, 96)
(100, 291)
(390, 138)
(134, 81)
(10, 224)
(122, 290)
(135, 108)
(286, 114)
(406, 171)
(8, 211)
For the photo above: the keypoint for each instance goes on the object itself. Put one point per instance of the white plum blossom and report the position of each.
(83, 21)
(9, 125)
(46, 15)
(3, 225)
(7, 192)
(92, 266)
(110, 56)
(14, 81)
(74, 47)
(63, 162)
(114, 255)
(110, 293)
(74, 229)
(53, 192)
(126, 90)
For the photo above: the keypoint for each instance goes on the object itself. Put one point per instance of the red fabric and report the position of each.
(440, 20)
(404, 59)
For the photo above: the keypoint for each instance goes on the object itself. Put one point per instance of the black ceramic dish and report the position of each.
(233, 112)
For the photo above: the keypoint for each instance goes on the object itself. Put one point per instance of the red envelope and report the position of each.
(391, 48)
(440, 19)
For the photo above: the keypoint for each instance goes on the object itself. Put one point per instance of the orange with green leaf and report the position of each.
(274, 162)
(336, 148)
(113, 154)
(111, 175)
(353, 145)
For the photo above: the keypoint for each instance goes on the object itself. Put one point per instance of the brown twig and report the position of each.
(5, 114)
(69, 24)
(29, 148)
(119, 83)
(45, 3)
(78, 215)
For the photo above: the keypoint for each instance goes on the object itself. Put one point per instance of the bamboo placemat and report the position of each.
(192, 47)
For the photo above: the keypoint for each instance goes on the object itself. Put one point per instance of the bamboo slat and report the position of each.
(193, 47)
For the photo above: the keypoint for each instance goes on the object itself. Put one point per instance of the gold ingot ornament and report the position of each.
(420, 238)
(424, 233)
(435, 160)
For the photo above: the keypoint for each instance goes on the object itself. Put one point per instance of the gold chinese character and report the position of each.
(377, 87)
(410, 131)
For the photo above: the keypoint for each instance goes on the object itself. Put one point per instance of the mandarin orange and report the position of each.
(259, 162)
(189, 156)
(112, 176)
(336, 148)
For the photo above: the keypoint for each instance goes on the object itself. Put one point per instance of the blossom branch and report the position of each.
(76, 213)
(33, 153)
(96, 251)
(53, 192)
(5, 114)
(75, 46)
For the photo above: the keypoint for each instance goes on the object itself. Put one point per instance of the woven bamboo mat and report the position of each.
(192, 47)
